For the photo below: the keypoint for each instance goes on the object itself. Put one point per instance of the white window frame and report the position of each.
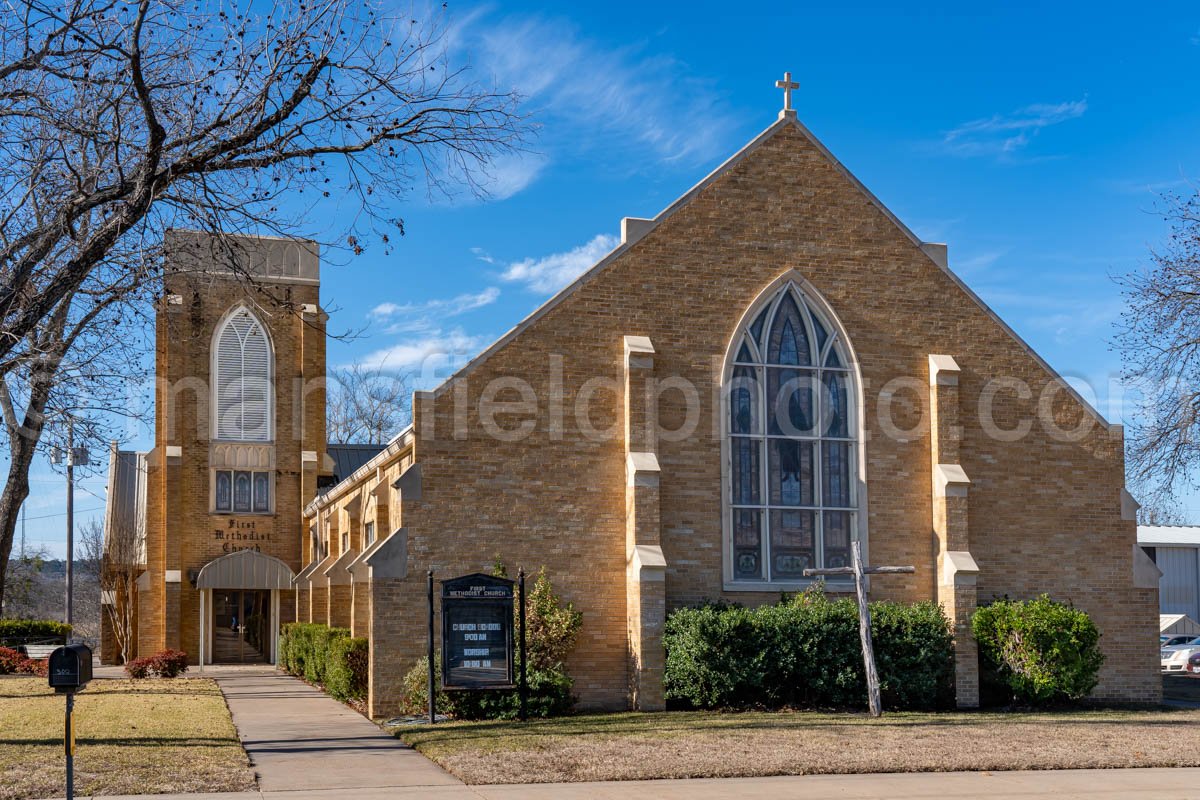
(810, 301)
(215, 376)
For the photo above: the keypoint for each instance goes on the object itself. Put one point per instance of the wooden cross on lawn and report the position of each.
(864, 613)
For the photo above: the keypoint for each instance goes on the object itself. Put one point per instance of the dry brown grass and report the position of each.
(701, 744)
(132, 737)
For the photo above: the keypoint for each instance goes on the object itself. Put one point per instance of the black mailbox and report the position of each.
(70, 667)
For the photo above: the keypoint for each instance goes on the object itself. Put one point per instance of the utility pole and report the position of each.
(70, 458)
(70, 520)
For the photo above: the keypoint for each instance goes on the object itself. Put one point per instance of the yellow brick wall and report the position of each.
(1044, 513)
(182, 533)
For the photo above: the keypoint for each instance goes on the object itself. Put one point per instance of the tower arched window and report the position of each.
(791, 433)
(242, 371)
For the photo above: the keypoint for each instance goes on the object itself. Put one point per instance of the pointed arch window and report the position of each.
(242, 369)
(791, 496)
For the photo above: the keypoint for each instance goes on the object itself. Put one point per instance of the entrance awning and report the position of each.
(245, 569)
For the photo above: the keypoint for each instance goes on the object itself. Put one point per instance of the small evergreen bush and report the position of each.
(1037, 652)
(346, 671)
(804, 652)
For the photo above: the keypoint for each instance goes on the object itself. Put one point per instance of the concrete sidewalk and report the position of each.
(1105, 784)
(299, 739)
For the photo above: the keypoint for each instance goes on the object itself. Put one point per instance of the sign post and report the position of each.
(432, 657)
(69, 670)
(858, 570)
(523, 690)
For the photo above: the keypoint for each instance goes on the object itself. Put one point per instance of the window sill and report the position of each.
(840, 586)
(242, 513)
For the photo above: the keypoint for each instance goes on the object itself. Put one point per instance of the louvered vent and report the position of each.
(243, 380)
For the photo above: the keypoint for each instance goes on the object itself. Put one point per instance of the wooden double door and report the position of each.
(241, 620)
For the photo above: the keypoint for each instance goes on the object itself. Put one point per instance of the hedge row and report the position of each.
(33, 629)
(327, 657)
(805, 652)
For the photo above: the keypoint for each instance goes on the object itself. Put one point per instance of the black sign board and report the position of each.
(477, 633)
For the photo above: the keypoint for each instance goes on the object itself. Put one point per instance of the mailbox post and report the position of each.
(70, 669)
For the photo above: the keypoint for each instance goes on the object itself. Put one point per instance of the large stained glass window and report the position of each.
(791, 428)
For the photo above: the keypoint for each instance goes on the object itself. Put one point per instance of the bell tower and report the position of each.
(239, 438)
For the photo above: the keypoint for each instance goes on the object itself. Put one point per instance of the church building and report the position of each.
(772, 367)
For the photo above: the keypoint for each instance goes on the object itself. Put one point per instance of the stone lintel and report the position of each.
(634, 228)
(389, 558)
(409, 483)
(317, 577)
(950, 480)
(308, 459)
(173, 453)
(641, 469)
(648, 562)
(639, 352)
(358, 568)
(938, 252)
(943, 370)
(337, 573)
(1129, 506)
(1146, 573)
(959, 568)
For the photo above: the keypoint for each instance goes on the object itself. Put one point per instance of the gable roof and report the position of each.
(347, 458)
(786, 119)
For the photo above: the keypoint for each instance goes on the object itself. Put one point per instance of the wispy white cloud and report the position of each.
(977, 262)
(429, 355)
(597, 94)
(1133, 186)
(427, 316)
(548, 274)
(1004, 136)
(483, 255)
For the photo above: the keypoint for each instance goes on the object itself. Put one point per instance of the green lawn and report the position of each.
(706, 744)
(132, 737)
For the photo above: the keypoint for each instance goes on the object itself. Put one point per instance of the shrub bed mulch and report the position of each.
(713, 744)
(132, 737)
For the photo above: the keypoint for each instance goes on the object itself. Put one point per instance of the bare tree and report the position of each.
(1160, 347)
(119, 120)
(89, 568)
(366, 406)
(26, 594)
(119, 553)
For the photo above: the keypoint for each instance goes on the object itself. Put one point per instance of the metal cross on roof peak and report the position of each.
(787, 84)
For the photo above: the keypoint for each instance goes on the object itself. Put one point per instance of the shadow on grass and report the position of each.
(732, 723)
(126, 741)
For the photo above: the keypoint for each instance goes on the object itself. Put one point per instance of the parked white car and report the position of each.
(1175, 658)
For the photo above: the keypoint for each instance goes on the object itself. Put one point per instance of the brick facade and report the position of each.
(183, 533)
(953, 483)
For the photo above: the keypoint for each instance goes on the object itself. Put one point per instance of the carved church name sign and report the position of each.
(241, 535)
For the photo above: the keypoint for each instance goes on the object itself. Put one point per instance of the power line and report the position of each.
(63, 513)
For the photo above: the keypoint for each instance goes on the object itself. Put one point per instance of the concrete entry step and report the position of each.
(301, 739)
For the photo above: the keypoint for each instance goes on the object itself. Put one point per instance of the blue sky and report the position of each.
(1032, 138)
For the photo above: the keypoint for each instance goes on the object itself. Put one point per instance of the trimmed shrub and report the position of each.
(11, 661)
(163, 664)
(805, 652)
(306, 650)
(18, 630)
(14, 662)
(1036, 652)
(346, 672)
